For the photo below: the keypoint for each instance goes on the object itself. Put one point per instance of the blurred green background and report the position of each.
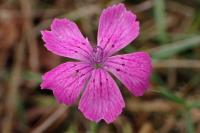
(170, 32)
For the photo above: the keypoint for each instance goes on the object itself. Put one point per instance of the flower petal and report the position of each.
(133, 70)
(117, 28)
(67, 80)
(102, 98)
(66, 40)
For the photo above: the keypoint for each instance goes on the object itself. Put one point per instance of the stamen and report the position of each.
(97, 54)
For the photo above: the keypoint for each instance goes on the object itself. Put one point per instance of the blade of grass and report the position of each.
(169, 50)
(156, 78)
(20, 111)
(189, 122)
(170, 96)
(160, 18)
(32, 76)
(194, 105)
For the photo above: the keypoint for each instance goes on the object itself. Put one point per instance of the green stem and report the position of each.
(93, 127)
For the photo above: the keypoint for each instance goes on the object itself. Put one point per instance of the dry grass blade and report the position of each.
(73, 15)
(31, 37)
(13, 86)
(153, 106)
(52, 119)
(176, 63)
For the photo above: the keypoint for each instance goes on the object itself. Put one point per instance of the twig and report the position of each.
(30, 35)
(49, 121)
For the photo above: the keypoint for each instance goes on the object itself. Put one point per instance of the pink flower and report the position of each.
(101, 97)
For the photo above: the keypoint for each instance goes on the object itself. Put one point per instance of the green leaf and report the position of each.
(129, 49)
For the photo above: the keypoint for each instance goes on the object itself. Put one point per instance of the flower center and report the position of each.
(97, 56)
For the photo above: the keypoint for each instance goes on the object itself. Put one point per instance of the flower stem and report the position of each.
(93, 127)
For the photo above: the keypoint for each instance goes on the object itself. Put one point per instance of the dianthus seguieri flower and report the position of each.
(90, 75)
